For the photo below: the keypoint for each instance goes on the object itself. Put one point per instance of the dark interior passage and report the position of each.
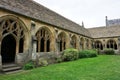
(8, 49)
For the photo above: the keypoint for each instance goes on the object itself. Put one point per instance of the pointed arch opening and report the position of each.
(82, 43)
(62, 41)
(111, 44)
(8, 49)
(98, 45)
(74, 41)
(43, 40)
(12, 33)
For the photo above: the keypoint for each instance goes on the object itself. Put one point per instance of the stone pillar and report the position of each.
(57, 42)
(104, 44)
(79, 48)
(93, 45)
(34, 44)
(70, 40)
(39, 42)
(84, 44)
(57, 46)
(45, 43)
(34, 41)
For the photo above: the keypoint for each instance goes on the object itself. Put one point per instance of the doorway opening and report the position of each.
(8, 49)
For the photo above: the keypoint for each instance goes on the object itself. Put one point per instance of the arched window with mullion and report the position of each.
(43, 40)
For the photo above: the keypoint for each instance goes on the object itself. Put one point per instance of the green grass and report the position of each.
(98, 68)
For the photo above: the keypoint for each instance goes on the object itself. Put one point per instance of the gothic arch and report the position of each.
(12, 27)
(82, 43)
(74, 41)
(44, 39)
(61, 39)
(98, 45)
(8, 49)
(112, 44)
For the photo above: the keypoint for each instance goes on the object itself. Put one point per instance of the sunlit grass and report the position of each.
(98, 68)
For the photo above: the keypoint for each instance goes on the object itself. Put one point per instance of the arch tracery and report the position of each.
(43, 40)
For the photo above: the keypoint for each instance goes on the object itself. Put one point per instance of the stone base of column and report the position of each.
(20, 59)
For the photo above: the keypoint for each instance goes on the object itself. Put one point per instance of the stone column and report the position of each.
(39, 42)
(57, 46)
(34, 44)
(104, 44)
(34, 41)
(17, 46)
(113, 45)
(57, 42)
(45, 43)
(84, 45)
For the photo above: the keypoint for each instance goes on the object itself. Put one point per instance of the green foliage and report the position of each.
(29, 65)
(59, 59)
(87, 53)
(42, 62)
(70, 54)
(109, 51)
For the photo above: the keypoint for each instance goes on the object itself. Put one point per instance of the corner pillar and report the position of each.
(34, 44)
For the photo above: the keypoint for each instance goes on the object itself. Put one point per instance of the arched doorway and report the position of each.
(12, 38)
(8, 49)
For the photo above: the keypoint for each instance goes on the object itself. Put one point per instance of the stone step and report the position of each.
(11, 68)
(13, 72)
(9, 65)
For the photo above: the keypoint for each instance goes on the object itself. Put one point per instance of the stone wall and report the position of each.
(22, 58)
(50, 57)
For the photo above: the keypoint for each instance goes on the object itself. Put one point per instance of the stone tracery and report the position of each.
(111, 44)
(62, 41)
(43, 40)
(74, 41)
(14, 28)
(98, 45)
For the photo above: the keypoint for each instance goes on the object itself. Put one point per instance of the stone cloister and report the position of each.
(109, 44)
(28, 31)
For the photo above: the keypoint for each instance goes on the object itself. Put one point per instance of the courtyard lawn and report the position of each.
(98, 68)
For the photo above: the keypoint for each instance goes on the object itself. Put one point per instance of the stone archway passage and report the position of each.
(8, 49)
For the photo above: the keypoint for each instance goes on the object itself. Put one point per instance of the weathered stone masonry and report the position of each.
(29, 30)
